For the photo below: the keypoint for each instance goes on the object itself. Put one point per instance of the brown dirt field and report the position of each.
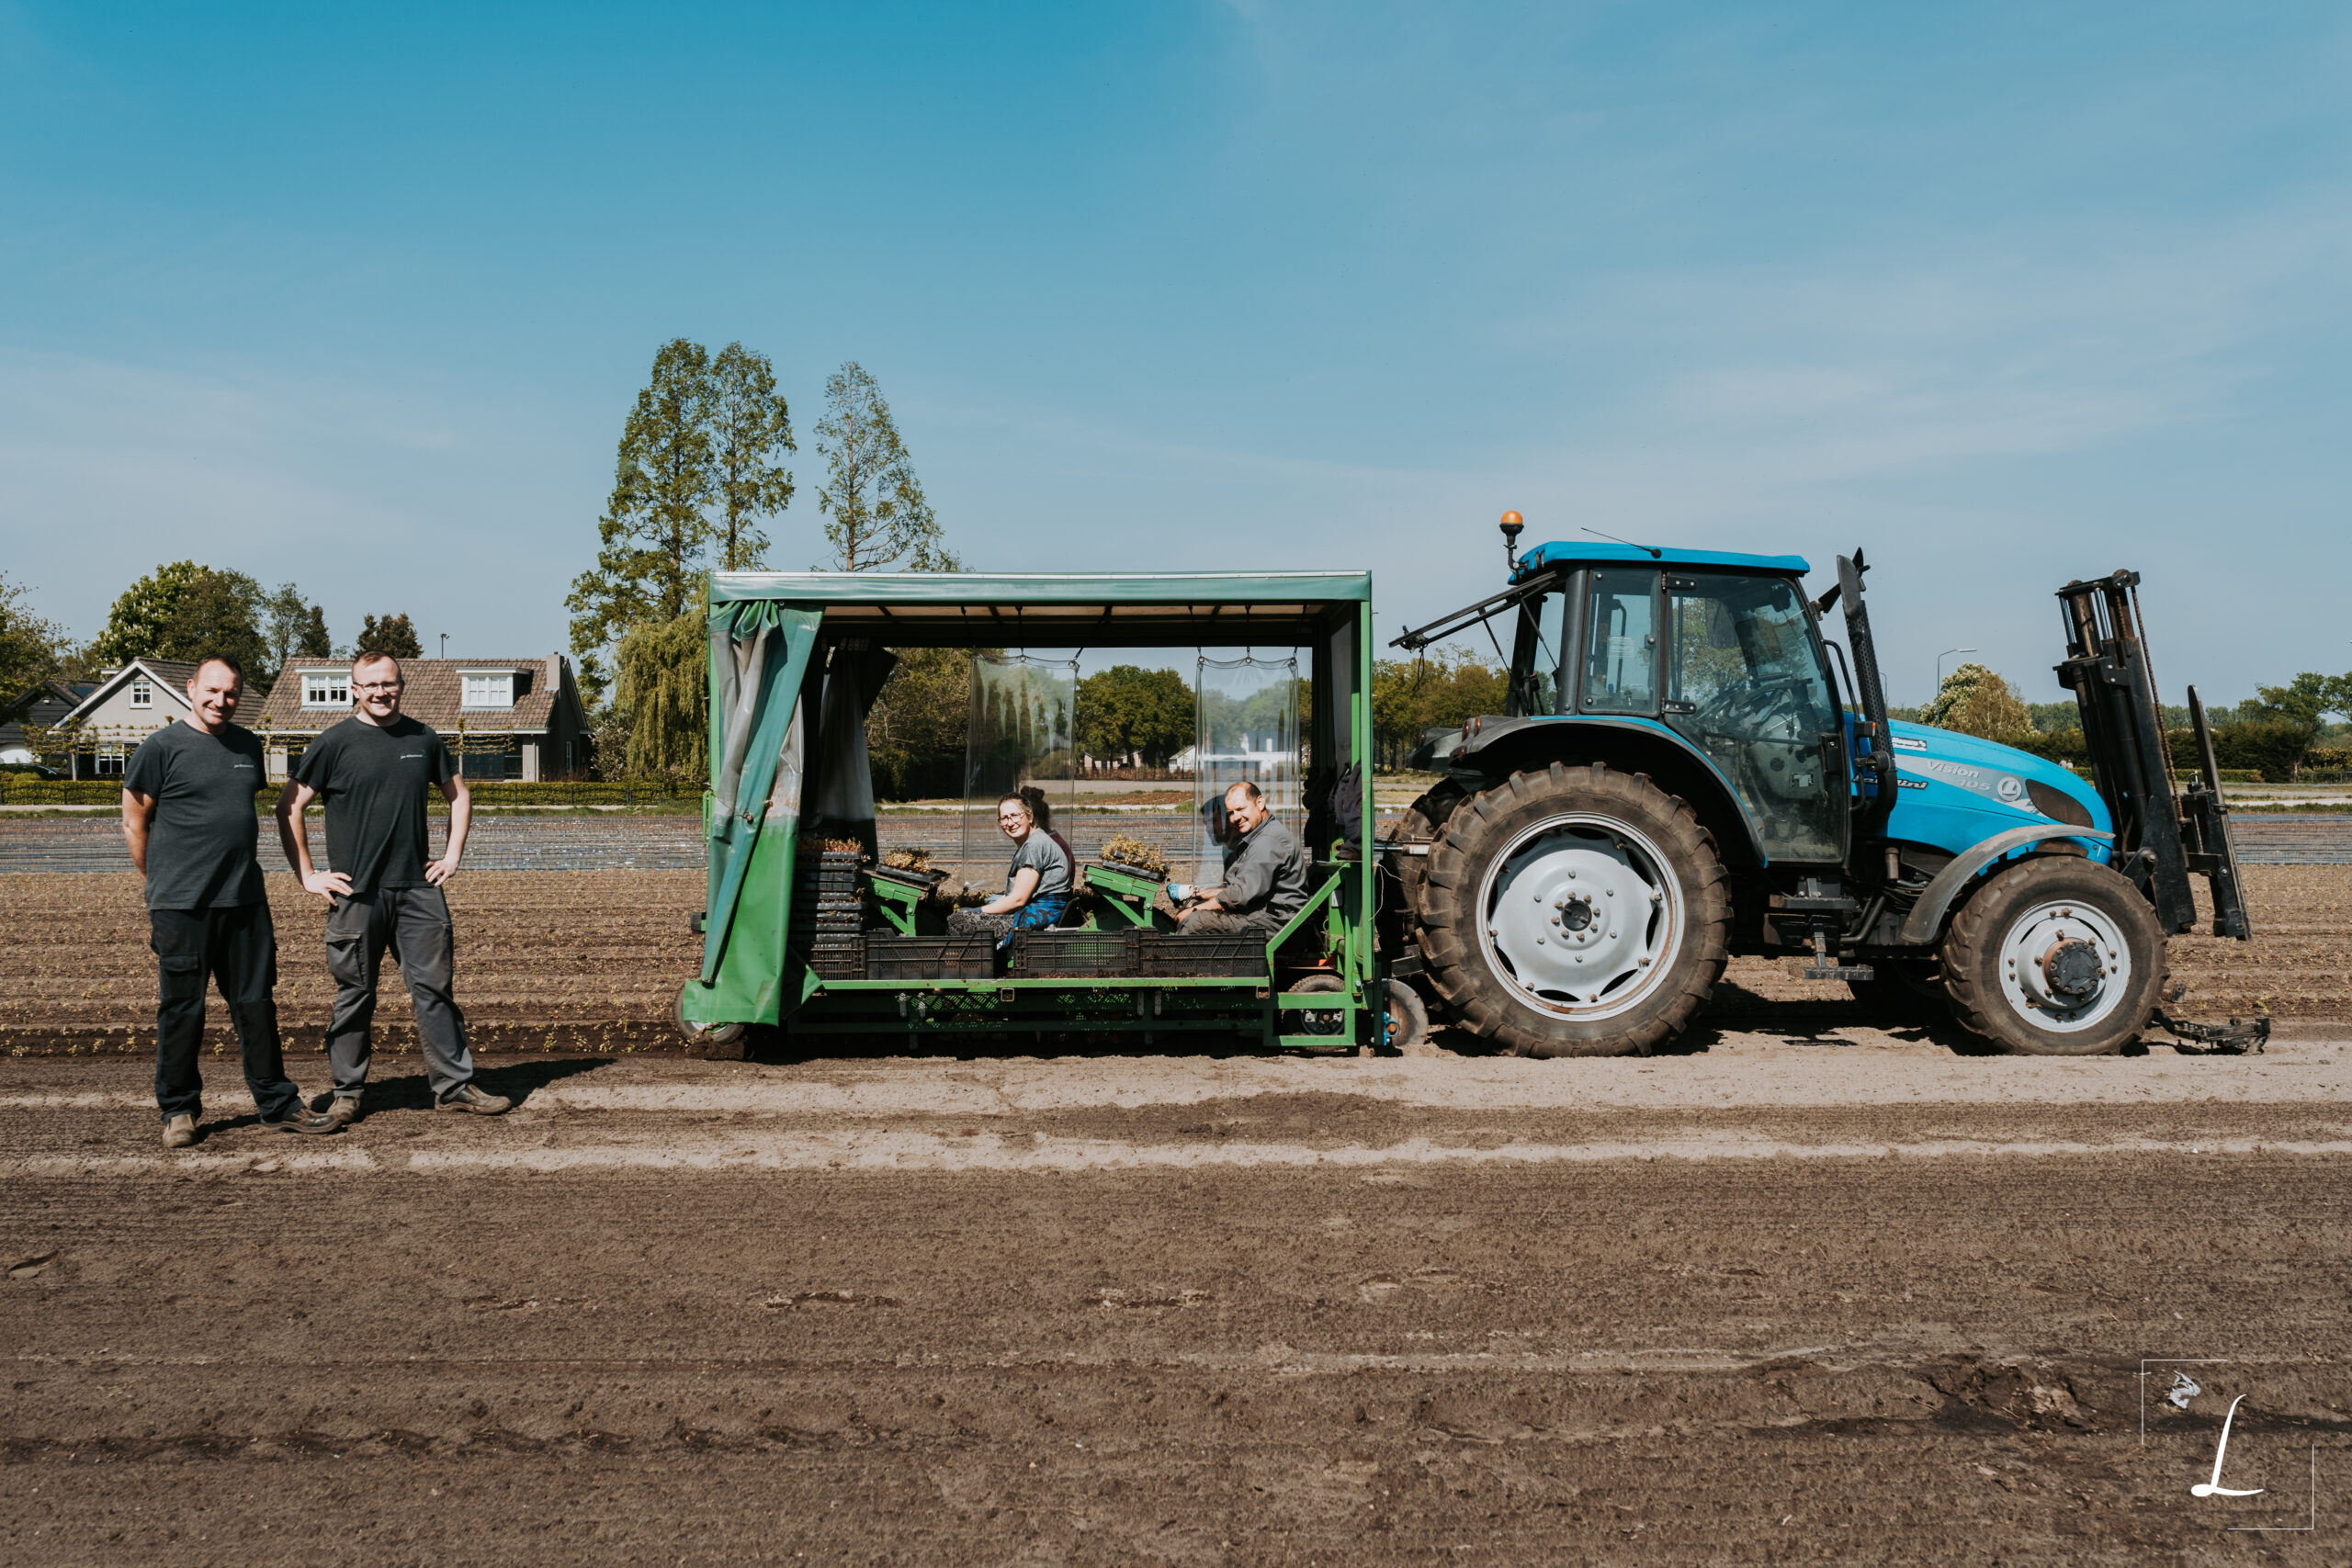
(1779, 1303)
(588, 961)
(546, 961)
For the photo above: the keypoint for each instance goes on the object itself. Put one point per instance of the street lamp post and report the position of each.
(1947, 653)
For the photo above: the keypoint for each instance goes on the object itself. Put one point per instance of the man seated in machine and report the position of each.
(1265, 874)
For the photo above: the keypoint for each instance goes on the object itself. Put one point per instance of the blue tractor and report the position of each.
(1688, 769)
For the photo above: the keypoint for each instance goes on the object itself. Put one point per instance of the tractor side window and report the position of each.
(1745, 685)
(1541, 656)
(1620, 645)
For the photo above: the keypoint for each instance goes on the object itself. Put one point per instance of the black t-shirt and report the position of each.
(201, 846)
(373, 779)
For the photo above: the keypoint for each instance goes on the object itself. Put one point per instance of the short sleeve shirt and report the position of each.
(374, 779)
(200, 845)
(1041, 854)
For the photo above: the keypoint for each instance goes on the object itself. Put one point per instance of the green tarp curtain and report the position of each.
(759, 654)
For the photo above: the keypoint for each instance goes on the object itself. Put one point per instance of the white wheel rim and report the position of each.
(1580, 916)
(2064, 967)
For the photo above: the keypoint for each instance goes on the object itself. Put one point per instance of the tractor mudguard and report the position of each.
(1928, 915)
(1503, 746)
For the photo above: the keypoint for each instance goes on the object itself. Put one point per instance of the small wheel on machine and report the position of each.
(1317, 1022)
(1409, 1021)
(1907, 994)
(2055, 956)
(705, 1038)
(1574, 912)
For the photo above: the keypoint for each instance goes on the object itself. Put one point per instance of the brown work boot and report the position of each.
(179, 1132)
(343, 1109)
(465, 1097)
(299, 1118)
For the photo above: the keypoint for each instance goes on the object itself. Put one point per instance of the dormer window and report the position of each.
(142, 695)
(489, 689)
(326, 689)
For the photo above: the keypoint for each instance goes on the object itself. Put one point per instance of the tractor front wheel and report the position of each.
(2055, 956)
(1574, 912)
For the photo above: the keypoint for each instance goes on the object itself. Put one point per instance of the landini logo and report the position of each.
(2179, 1392)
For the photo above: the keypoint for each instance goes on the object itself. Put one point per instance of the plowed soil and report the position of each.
(1823, 1297)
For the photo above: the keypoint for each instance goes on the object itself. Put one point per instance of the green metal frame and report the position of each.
(750, 975)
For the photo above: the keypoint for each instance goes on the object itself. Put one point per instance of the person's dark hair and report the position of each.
(1032, 800)
(228, 658)
(373, 656)
(1247, 788)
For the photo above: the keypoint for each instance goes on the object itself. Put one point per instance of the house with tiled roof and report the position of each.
(124, 707)
(504, 719)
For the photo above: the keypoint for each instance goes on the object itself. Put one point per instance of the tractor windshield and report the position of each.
(1746, 684)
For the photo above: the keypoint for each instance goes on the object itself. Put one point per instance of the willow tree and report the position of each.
(663, 697)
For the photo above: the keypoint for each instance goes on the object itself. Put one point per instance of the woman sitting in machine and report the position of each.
(1037, 885)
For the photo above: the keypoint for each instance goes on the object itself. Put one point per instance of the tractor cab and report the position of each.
(1717, 653)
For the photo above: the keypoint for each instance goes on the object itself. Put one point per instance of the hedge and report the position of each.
(25, 789)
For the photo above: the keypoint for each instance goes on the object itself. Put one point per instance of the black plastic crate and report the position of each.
(1196, 956)
(1060, 955)
(960, 957)
(837, 960)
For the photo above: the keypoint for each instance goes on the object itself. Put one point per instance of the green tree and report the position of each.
(32, 649)
(136, 625)
(1127, 710)
(392, 635)
(750, 426)
(296, 628)
(220, 612)
(877, 518)
(663, 695)
(1975, 701)
(1443, 691)
(655, 532)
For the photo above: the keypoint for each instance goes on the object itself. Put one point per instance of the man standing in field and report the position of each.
(384, 891)
(1265, 873)
(188, 811)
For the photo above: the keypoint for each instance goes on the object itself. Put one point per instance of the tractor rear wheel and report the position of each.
(2055, 956)
(1574, 912)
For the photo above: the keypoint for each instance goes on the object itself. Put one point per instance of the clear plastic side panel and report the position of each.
(1247, 730)
(1024, 717)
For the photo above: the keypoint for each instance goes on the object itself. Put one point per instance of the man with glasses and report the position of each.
(384, 890)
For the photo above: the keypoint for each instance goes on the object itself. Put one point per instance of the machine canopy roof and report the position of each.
(1059, 610)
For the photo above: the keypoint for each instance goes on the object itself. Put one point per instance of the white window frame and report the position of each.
(334, 688)
(496, 688)
(143, 692)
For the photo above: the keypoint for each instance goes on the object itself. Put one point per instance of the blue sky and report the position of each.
(2008, 294)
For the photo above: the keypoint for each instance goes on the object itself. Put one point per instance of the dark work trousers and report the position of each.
(413, 924)
(1223, 922)
(237, 948)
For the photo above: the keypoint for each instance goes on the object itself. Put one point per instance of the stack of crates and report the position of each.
(829, 914)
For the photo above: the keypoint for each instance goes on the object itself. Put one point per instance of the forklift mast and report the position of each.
(2163, 834)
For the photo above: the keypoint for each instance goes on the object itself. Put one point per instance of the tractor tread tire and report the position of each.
(1973, 948)
(1482, 826)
